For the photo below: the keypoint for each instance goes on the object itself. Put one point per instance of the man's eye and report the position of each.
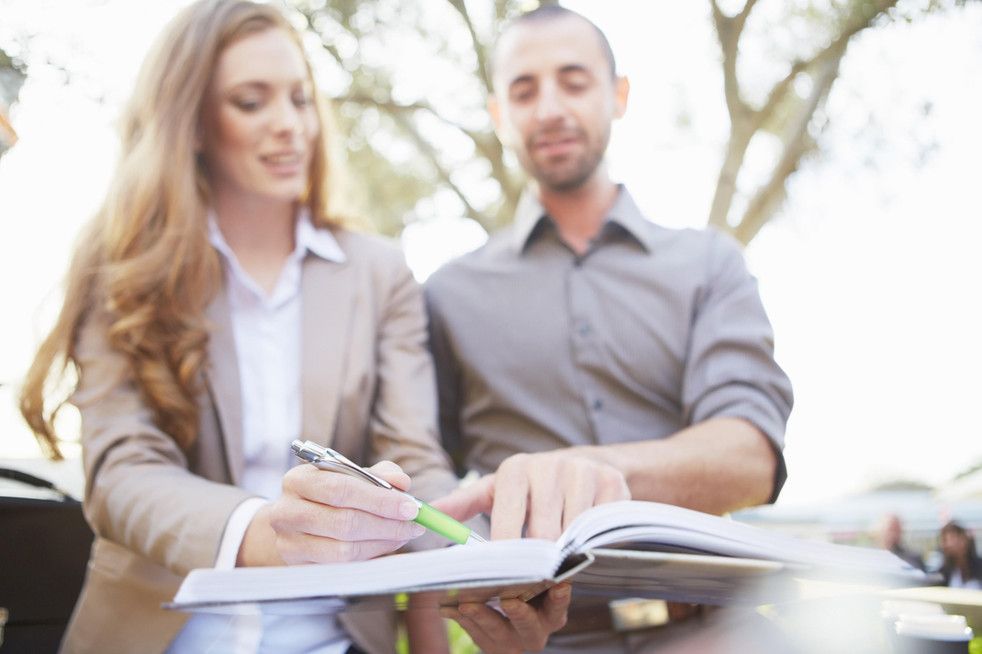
(522, 95)
(576, 84)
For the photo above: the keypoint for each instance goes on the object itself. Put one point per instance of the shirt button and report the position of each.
(584, 329)
(598, 404)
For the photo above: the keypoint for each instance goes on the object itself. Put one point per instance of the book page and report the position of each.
(688, 578)
(649, 525)
(525, 559)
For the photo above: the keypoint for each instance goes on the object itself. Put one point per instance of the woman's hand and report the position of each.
(324, 517)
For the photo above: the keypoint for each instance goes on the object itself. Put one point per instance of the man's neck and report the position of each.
(580, 213)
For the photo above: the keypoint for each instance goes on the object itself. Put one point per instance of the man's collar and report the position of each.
(628, 216)
(530, 214)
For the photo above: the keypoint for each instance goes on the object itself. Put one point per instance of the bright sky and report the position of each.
(867, 275)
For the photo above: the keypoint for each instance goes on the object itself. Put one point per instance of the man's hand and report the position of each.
(543, 492)
(324, 517)
(525, 627)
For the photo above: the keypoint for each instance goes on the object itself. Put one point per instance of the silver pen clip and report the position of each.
(327, 459)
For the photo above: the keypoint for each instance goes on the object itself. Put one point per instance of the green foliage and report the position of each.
(13, 72)
(411, 81)
(902, 485)
(460, 642)
(781, 94)
(385, 190)
(411, 138)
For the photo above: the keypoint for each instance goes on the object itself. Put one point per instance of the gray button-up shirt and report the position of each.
(650, 331)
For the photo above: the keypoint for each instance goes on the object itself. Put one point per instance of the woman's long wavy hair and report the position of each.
(972, 563)
(145, 260)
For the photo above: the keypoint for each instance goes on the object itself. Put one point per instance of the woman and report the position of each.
(962, 567)
(216, 309)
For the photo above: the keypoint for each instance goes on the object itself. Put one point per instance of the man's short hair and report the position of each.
(552, 12)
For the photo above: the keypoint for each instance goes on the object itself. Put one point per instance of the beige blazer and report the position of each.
(158, 512)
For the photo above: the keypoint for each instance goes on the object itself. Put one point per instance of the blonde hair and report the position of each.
(145, 259)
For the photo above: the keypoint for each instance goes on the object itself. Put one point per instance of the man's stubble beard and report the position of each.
(571, 180)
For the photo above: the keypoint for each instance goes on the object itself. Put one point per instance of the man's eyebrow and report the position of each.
(564, 70)
(574, 68)
(521, 79)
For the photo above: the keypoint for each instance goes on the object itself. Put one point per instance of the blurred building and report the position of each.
(850, 519)
(966, 486)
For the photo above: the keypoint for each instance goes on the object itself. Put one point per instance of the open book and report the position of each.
(631, 549)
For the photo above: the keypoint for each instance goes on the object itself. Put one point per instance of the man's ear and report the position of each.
(622, 88)
(494, 109)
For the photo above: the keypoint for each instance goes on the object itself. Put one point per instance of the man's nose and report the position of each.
(550, 106)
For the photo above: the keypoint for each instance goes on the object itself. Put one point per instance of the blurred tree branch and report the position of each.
(367, 26)
(410, 144)
(785, 112)
(13, 73)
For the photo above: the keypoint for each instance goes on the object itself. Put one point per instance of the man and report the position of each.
(588, 345)
(889, 534)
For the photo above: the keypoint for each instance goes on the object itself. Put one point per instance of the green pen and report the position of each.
(327, 459)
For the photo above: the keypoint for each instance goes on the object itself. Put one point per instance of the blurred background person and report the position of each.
(962, 567)
(889, 534)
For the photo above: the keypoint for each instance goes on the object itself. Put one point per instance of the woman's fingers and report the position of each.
(299, 515)
(325, 516)
(392, 473)
(302, 548)
(343, 491)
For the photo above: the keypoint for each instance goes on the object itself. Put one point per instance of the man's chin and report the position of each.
(563, 183)
(564, 179)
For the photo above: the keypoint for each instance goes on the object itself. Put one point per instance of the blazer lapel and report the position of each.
(328, 306)
(222, 378)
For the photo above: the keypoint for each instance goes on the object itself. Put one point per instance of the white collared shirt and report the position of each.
(267, 333)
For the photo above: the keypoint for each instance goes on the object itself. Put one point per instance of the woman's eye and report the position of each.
(301, 99)
(247, 104)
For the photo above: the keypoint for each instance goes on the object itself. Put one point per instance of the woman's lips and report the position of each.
(284, 164)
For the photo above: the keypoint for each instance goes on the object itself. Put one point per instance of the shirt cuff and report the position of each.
(235, 530)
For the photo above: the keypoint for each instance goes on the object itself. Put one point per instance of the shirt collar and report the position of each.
(318, 241)
(308, 238)
(530, 216)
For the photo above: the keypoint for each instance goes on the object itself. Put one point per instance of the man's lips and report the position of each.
(555, 146)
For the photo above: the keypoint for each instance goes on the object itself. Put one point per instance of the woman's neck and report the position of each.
(260, 233)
